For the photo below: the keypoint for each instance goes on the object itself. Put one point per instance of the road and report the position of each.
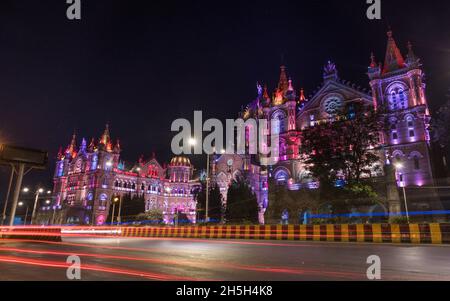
(190, 259)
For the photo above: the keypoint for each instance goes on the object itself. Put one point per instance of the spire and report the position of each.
(71, 148)
(411, 58)
(117, 146)
(373, 63)
(106, 138)
(374, 68)
(290, 88)
(91, 146)
(60, 153)
(266, 93)
(394, 59)
(83, 146)
(283, 84)
(302, 95)
(266, 97)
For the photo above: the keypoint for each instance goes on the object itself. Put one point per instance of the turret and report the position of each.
(180, 170)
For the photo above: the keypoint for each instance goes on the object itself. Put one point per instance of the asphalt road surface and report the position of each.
(191, 259)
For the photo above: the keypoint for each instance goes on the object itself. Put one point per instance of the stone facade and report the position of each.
(88, 178)
(397, 86)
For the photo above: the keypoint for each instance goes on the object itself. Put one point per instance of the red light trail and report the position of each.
(97, 268)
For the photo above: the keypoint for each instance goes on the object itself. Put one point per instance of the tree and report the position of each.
(440, 125)
(154, 216)
(132, 206)
(344, 149)
(242, 205)
(296, 202)
(215, 203)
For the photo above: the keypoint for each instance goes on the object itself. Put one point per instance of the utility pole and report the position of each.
(406, 203)
(207, 189)
(5, 207)
(17, 193)
(38, 192)
(112, 217)
(119, 216)
(26, 217)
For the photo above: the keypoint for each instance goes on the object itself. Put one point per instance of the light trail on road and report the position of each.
(235, 260)
(264, 269)
(97, 268)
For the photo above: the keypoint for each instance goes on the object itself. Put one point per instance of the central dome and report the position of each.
(180, 161)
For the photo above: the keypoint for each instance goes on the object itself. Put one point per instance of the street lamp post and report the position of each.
(11, 178)
(207, 190)
(406, 203)
(53, 215)
(112, 217)
(399, 166)
(119, 216)
(19, 180)
(26, 213)
(38, 192)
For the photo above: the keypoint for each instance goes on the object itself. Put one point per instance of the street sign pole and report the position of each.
(17, 193)
(11, 178)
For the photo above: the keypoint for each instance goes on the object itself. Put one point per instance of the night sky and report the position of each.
(141, 64)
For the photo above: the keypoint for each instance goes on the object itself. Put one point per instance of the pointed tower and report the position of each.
(91, 146)
(394, 59)
(411, 59)
(117, 148)
(266, 97)
(302, 97)
(374, 69)
(60, 154)
(71, 148)
(283, 84)
(290, 93)
(106, 137)
(83, 146)
(400, 92)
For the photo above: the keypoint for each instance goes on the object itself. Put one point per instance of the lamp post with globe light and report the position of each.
(115, 200)
(399, 166)
(192, 143)
(36, 199)
(20, 204)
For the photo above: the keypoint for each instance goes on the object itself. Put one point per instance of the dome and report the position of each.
(180, 161)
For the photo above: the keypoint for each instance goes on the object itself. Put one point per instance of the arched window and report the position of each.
(393, 101)
(416, 156)
(416, 163)
(410, 121)
(281, 177)
(397, 97)
(402, 99)
(278, 124)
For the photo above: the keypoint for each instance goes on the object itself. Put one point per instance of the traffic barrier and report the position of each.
(369, 233)
(31, 233)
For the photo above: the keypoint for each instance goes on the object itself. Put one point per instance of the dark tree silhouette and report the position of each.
(215, 203)
(242, 205)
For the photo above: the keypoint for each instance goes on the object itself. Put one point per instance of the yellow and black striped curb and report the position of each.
(32, 233)
(377, 233)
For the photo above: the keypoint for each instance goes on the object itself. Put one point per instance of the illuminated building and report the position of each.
(87, 179)
(396, 85)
